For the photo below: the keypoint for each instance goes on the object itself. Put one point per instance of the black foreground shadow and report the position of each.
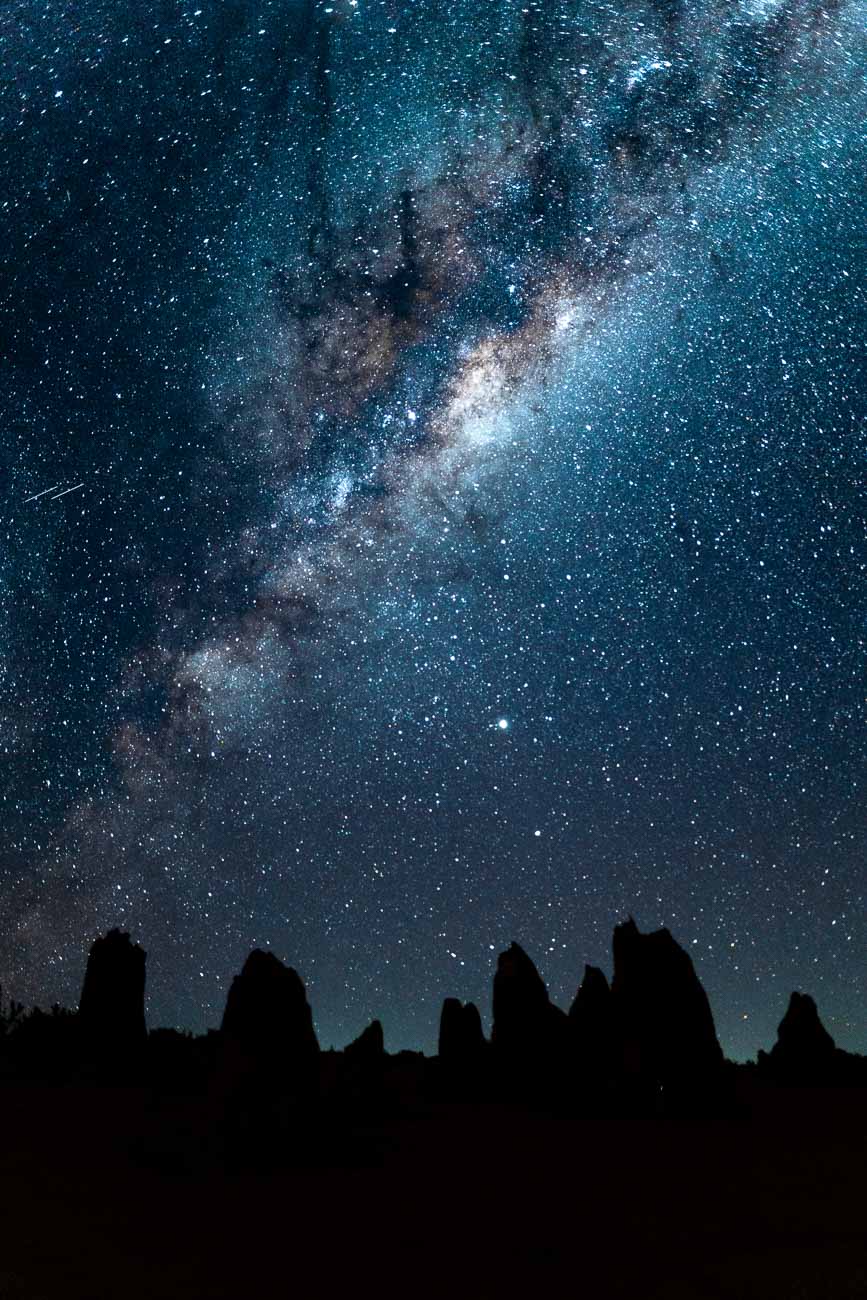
(607, 1152)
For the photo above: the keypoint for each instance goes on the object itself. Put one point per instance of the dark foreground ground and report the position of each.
(105, 1193)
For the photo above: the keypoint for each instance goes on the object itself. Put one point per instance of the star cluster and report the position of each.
(432, 444)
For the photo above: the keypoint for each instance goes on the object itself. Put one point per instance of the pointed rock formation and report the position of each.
(463, 1065)
(523, 1012)
(111, 1009)
(663, 1019)
(268, 1064)
(364, 1066)
(591, 1029)
(461, 1040)
(368, 1049)
(804, 1049)
(592, 1003)
(529, 1036)
(268, 1024)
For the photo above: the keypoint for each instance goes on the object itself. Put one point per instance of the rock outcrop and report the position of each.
(267, 1072)
(804, 1050)
(267, 1026)
(662, 1017)
(367, 1051)
(111, 1012)
(461, 1040)
(591, 1030)
(529, 1036)
(363, 1066)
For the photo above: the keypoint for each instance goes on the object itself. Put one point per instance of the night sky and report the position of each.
(432, 498)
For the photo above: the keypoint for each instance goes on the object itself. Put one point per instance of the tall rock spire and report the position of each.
(662, 1015)
(111, 1009)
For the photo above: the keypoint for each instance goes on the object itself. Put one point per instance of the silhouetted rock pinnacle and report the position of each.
(368, 1049)
(363, 1065)
(591, 1029)
(804, 1049)
(529, 1034)
(268, 1061)
(461, 1040)
(111, 1009)
(268, 1021)
(663, 1018)
(593, 999)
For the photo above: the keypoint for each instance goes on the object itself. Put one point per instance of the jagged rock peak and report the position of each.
(524, 1017)
(662, 1011)
(517, 973)
(369, 1047)
(801, 1036)
(593, 994)
(267, 1008)
(461, 1037)
(111, 1007)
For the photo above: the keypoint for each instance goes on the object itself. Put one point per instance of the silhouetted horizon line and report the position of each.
(625, 933)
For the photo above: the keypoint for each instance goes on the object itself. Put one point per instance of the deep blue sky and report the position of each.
(465, 412)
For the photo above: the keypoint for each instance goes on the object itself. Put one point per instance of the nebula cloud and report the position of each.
(403, 339)
(453, 390)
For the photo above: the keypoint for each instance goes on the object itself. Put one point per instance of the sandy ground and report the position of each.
(104, 1195)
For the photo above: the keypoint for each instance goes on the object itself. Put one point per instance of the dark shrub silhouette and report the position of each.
(10, 1012)
(41, 1045)
(181, 1063)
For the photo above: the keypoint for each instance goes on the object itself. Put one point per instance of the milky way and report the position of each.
(464, 406)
